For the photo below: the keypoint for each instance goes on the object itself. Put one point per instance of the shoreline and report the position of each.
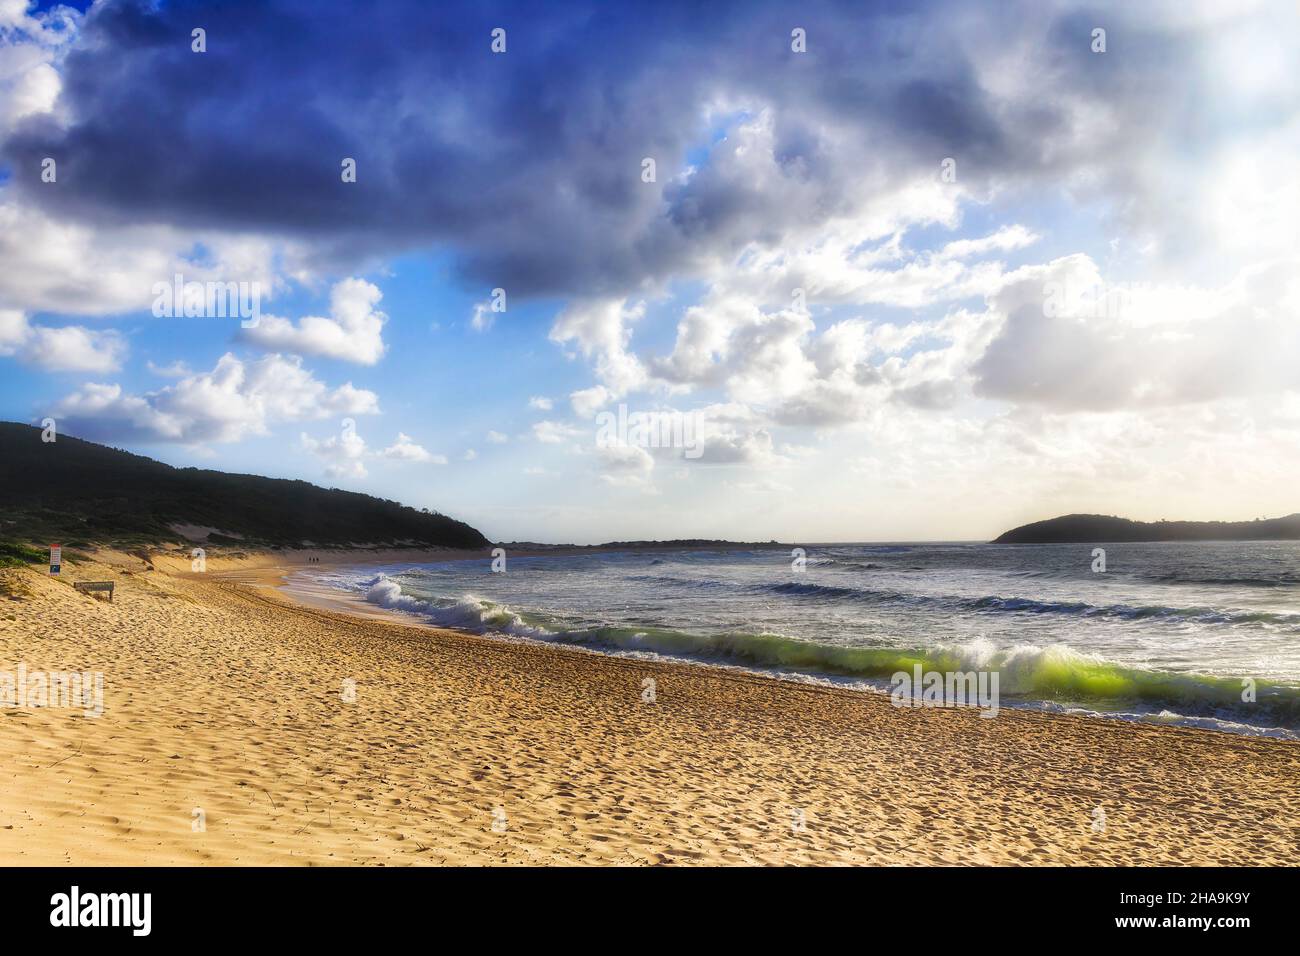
(346, 602)
(226, 697)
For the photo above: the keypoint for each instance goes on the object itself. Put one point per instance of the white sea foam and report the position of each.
(469, 613)
(865, 612)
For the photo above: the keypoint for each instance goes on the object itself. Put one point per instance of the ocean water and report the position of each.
(1165, 634)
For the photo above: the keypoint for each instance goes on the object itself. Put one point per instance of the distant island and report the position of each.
(1086, 529)
(77, 493)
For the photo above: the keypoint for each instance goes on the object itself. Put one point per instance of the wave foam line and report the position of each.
(1053, 673)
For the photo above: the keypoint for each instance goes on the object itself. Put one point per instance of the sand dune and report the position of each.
(222, 697)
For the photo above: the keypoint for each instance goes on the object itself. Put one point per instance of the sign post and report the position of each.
(56, 558)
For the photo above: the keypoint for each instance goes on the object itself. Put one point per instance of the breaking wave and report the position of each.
(1054, 674)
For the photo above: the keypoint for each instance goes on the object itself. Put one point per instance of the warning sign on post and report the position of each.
(56, 558)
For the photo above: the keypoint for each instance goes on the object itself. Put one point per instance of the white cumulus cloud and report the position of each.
(353, 333)
(234, 400)
(406, 449)
(71, 348)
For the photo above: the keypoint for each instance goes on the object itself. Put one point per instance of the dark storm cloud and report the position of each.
(525, 165)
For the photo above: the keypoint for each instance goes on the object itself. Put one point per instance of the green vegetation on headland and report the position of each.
(78, 493)
(1088, 529)
(15, 555)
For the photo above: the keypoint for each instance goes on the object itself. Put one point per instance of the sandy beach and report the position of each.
(232, 733)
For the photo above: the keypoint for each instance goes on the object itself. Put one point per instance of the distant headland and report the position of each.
(1084, 529)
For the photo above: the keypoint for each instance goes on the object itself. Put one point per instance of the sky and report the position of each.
(898, 270)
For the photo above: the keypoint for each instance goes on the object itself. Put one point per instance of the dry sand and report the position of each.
(222, 696)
